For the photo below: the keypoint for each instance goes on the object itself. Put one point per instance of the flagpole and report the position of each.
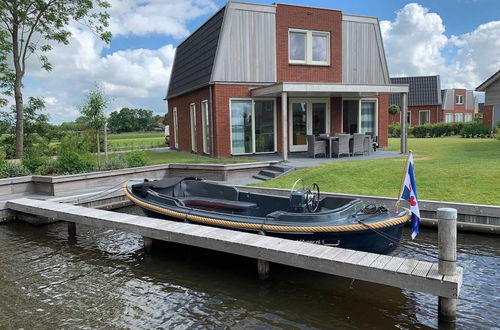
(405, 169)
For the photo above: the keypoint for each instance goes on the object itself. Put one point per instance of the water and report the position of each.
(103, 279)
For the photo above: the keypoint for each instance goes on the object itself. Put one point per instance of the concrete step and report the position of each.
(270, 173)
(279, 168)
(259, 177)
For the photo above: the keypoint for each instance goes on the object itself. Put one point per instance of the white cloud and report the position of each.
(416, 44)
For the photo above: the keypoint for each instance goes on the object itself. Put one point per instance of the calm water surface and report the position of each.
(103, 279)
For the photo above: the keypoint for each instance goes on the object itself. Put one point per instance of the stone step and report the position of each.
(270, 173)
(259, 177)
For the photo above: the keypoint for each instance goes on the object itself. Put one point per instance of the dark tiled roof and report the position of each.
(194, 58)
(424, 90)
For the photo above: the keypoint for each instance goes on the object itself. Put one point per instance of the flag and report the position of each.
(409, 193)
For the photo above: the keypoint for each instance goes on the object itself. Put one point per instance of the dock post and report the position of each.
(263, 269)
(148, 244)
(447, 265)
(71, 229)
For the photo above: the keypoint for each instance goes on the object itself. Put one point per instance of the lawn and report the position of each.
(446, 169)
(135, 140)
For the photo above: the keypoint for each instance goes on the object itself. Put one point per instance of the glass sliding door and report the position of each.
(299, 126)
(264, 126)
(241, 127)
(368, 118)
(253, 126)
(205, 122)
(309, 116)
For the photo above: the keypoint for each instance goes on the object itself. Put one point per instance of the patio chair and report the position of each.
(367, 143)
(315, 147)
(341, 147)
(357, 144)
(374, 141)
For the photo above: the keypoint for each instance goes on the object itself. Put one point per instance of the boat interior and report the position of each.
(199, 194)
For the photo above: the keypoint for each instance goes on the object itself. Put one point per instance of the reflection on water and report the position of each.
(103, 279)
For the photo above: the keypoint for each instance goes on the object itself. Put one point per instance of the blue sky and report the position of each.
(459, 39)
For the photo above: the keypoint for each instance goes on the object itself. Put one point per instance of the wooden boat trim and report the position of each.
(266, 227)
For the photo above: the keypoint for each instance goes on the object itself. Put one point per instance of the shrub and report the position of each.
(51, 167)
(438, 130)
(34, 158)
(2, 158)
(137, 159)
(474, 129)
(421, 131)
(115, 163)
(10, 170)
(395, 130)
(73, 158)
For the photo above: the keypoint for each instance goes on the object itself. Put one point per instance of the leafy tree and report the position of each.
(93, 113)
(28, 26)
(131, 120)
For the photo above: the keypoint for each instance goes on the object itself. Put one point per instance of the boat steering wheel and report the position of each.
(312, 198)
(311, 195)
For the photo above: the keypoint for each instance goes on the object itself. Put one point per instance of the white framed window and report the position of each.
(448, 118)
(468, 117)
(192, 112)
(308, 47)
(253, 126)
(205, 127)
(176, 129)
(424, 117)
(459, 117)
(460, 99)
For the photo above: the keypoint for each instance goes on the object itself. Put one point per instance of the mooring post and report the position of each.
(447, 265)
(148, 244)
(263, 269)
(71, 229)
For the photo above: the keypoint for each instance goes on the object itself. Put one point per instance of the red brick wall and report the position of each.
(289, 16)
(182, 103)
(463, 112)
(488, 116)
(383, 118)
(460, 107)
(435, 115)
(336, 115)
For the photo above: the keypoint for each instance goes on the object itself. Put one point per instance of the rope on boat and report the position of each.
(99, 194)
(265, 227)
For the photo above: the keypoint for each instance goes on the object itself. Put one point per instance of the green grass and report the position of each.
(446, 169)
(135, 135)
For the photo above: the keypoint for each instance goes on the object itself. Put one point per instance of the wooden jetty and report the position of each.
(398, 272)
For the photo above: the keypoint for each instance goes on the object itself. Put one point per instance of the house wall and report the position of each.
(435, 115)
(463, 112)
(383, 119)
(182, 104)
(288, 16)
(488, 116)
(492, 94)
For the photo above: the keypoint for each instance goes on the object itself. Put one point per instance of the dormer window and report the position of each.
(308, 47)
(460, 99)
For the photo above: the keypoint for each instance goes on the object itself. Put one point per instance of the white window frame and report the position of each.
(467, 114)
(176, 128)
(309, 47)
(204, 122)
(192, 115)
(428, 116)
(461, 117)
(345, 129)
(451, 116)
(309, 113)
(459, 99)
(253, 125)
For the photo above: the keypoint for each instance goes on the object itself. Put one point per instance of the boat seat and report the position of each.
(192, 188)
(216, 203)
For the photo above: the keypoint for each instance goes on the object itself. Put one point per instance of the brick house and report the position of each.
(428, 103)
(491, 110)
(260, 78)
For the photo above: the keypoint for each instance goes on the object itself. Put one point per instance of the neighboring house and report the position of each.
(260, 78)
(491, 110)
(427, 103)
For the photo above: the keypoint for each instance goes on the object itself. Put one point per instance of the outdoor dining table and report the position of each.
(332, 138)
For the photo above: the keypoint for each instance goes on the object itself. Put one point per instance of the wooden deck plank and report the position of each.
(394, 271)
(422, 268)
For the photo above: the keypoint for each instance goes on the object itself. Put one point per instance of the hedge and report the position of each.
(467, 129)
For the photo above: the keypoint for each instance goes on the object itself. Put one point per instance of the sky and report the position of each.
(457, 39)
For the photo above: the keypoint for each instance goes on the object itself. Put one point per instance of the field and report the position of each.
(446, 169)
(135, 140)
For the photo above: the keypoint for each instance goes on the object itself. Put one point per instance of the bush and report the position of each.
(438, 130)
(395, 130)
(115, 163)
(10, 170)
(474, 129)
(2, 158)
(421, 131)
(51, 167)
(34, 158)
(137, 159)
(393, 109)
(73, 158)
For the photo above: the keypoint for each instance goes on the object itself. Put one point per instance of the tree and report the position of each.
(93, 113)
(26, 23)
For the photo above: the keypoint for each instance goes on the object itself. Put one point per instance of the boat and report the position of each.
(304, 215)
